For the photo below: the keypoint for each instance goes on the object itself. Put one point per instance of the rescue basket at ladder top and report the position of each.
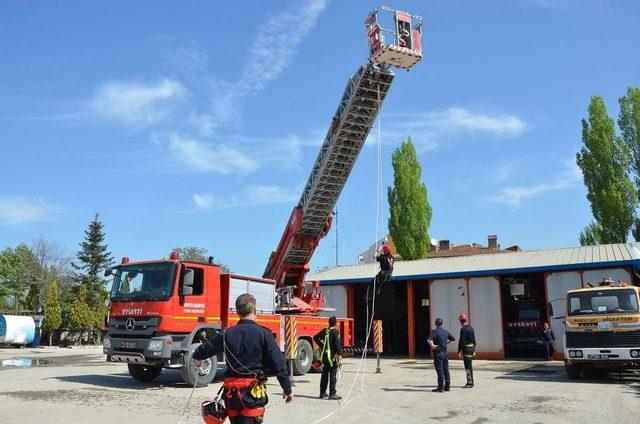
(397, 43)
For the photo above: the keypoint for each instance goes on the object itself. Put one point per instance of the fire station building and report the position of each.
(508, 296)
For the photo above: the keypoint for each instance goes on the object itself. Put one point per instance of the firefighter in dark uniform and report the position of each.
(331, 353)
(467, 348)
(438, 340)
(386, 267)
(252, 353)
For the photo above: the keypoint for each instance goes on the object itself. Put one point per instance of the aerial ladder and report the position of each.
(310, 220)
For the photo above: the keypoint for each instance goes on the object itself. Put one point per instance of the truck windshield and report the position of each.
(603, 302)
(143, 282)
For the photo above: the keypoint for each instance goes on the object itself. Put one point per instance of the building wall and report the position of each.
(485, 316)
(335, 297)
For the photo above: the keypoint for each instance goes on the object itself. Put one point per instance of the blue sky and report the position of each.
(196, 123)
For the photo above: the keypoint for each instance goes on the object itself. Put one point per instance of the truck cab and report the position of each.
(159, 312)
(602, 328)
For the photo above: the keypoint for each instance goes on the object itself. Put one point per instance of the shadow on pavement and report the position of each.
(409, 388)
(168, 378)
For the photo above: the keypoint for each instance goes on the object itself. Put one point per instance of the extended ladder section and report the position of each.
(396, 45)
(311, 218)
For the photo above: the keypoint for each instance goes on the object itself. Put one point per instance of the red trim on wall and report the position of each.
(350, 301)
(411, 318)
(468, 294)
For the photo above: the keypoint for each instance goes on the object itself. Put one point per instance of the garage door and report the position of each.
(486, 315)
(448, 299)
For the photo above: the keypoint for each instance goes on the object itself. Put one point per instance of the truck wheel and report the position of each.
(304, 357)
(573, 371)
(190, 373)
(144, 373)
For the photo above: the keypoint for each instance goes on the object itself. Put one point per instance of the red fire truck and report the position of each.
(161, 310)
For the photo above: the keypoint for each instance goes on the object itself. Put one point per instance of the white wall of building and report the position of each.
(486, 314)
(595, 276)
(448, 299)
(335, 297)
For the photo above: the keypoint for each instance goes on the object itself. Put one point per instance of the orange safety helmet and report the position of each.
(386, 249)
(213, 412)
(462, 318)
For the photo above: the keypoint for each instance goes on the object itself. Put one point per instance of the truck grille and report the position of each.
(142, 326)
(603, 339)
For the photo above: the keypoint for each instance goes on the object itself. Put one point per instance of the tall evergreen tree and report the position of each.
(93, 258)
(52, 310)
(629, 123)
(604, 160)
(410, 212)
(32, 300)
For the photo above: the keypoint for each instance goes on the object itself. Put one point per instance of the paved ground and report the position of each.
(77, 386)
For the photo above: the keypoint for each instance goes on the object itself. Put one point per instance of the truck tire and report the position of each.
(304, 357)
(144, 373)
(190, 373)
(573, 371)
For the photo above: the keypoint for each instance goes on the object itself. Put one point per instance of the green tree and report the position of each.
(52, 310)
(199, 254)
(80, 315)
(93, 258)
(591, 235)
(17, 273)
(410, 212)
(629, 123)
(604, 160)
(32, 300)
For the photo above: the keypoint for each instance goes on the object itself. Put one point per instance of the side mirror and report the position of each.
(108, 272)
(187, 282)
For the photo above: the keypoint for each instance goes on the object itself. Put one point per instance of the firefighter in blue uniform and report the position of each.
(331, 353)
(438, 340)
(252, 353)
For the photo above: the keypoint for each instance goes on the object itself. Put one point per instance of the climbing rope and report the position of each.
(362, 365)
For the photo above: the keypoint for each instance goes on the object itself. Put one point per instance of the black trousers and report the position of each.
(330, 376)
(548, 350)
(441, 363)
(382, 278)
(246, 420)
(468, 367)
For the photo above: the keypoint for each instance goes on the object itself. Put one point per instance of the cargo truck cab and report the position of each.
(602, 328)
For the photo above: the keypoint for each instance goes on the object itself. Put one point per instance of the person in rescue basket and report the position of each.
(467, 348)
(252, 353)
(438, 340)
(329, 341)
(386, 268)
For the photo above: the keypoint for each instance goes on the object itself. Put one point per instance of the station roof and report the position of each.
(585, 257)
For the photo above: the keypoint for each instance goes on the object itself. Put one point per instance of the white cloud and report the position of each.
(268, 55)
(428, 129)
(514, 196)
(253, 195)
(206, 157)
(136, 103)
(504, 171)
(16, 210)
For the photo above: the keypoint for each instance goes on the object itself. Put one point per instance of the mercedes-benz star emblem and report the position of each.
(131, 324)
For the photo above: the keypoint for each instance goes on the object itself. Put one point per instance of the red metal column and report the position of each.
(411, 319)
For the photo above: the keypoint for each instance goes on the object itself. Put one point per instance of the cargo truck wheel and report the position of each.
(304, 357)
(144, 373)
(190, 372)
(573, 371)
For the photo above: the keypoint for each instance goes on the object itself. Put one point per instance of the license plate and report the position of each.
(598, 356)
(128, 345)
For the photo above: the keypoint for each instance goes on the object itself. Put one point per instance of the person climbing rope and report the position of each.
(384, 256)
(331, 354)
(467, 348)
(251, 351)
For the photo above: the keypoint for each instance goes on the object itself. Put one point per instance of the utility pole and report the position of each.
(335, 215)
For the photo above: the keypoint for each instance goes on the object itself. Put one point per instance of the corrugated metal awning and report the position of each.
(584, 257)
